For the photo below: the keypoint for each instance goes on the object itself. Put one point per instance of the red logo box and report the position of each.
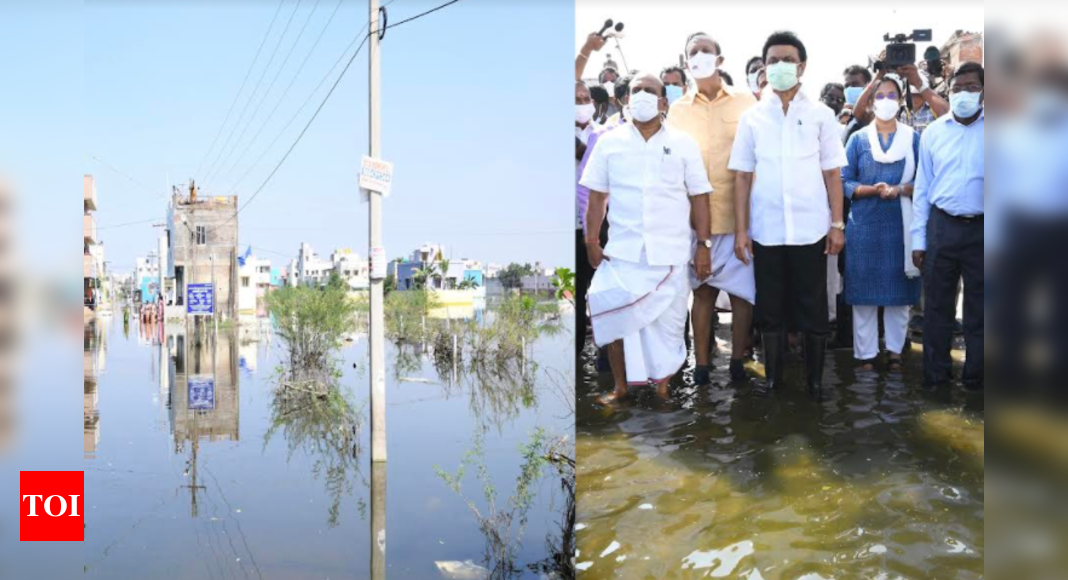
(53, 506)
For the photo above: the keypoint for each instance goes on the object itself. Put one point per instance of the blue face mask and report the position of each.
(674, 93)
(852, 94)
(965, 105)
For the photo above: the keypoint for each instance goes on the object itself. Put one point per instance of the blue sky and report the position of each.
(475, 119)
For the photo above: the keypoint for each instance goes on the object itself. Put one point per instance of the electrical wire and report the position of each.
(215, 165)
(420, 15)
(113, 226)
(259, 189)
(127, 176)
(243, 83)
(270, 87)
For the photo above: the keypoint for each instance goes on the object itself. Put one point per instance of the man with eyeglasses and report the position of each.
(658, 187)
(947, 229)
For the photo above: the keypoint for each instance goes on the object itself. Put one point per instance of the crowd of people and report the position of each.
(790, 211)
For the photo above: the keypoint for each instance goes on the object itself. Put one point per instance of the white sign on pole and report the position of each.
(376, 175)
(378, 263)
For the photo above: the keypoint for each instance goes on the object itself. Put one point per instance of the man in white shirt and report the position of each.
(788, 154)
(658, 187)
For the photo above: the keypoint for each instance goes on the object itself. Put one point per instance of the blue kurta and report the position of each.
(875, 239)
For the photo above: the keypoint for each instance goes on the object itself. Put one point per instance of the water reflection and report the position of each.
(878, 479)
(219, 464)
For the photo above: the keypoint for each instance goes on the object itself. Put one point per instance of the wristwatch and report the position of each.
(838, 225)
(705, 243)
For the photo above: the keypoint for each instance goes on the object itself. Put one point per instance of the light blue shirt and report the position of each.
(950, 174)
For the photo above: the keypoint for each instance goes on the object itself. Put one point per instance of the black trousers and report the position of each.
(954, 250)
(583, 276)
(1031, 263)
(791, 288)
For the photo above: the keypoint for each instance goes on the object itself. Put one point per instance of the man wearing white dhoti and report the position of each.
(659, 188)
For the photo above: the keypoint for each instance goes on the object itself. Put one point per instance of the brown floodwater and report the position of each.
(877, 479)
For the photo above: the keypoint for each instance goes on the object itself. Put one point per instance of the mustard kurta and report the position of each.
(713, 124)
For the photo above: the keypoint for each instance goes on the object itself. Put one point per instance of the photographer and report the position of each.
(926, 105)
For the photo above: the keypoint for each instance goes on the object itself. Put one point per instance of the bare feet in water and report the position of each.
(614, 397)
(662, 390)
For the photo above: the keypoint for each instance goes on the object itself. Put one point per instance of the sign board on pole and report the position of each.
(201, 392)
(376, 175)
(200, 299)
(378, 263)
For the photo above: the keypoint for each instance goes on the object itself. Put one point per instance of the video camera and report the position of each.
(900, 51)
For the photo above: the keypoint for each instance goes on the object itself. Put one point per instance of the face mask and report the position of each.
(754, 83)
(703, 65)
(611, 88)
(886, 109)
(852, 94)
(583, 113)
(644, 107)
(964, 105)
(782, 76)
(674, 93)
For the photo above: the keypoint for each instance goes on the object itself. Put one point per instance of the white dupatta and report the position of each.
(900, 149)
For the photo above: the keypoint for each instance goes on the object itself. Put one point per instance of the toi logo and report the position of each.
(52, 506)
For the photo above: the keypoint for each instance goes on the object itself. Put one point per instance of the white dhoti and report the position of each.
(645, 307)
(729, 274)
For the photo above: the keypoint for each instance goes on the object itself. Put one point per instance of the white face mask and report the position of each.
(754, 82)
(583, 113)
(886, 109)
(703, 65)
(611, 88)
(644, 107)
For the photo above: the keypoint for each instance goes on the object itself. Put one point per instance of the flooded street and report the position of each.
(199, 465)
(878, 480)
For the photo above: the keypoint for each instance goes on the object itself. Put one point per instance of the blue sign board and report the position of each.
(201, 393)
(200, 299)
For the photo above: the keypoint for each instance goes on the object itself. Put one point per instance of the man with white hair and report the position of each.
(658, 186)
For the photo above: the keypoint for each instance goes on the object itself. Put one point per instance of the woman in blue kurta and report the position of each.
(882, 164)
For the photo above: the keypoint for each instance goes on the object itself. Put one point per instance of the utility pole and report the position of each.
(377, 330)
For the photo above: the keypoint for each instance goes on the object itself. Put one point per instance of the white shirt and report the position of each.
(788, 153)
(649, 184)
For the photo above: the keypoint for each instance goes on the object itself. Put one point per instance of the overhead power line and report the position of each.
(274, 80)
(128, 177)
(113, 226)
(243, 82)
(327, 98)
(420, 15)
(259, 82)
(285, 92)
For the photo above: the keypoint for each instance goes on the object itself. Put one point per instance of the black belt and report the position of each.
(968, 219)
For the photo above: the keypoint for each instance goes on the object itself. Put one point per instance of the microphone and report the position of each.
(619, 27)
(607, 24)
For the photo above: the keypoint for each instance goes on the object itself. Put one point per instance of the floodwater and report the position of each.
(197, 467)
(880, 479)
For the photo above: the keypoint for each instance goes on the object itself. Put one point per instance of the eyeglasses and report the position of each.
(881, 96)
(966, 89)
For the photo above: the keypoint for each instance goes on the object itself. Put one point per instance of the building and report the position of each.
(312, 271)
(540, 282)
(963, 47)
(254, 282)
(351, 268)
(146, 277)
(201, 248)
(92, 260)
(427, 265)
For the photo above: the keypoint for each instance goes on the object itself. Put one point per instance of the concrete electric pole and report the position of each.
(377, 323)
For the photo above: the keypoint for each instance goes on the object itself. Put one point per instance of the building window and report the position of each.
(244, 281)
(202, 235)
